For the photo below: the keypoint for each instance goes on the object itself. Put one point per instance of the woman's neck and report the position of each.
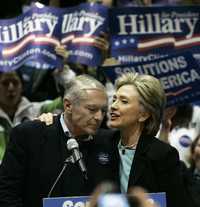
(130, 137)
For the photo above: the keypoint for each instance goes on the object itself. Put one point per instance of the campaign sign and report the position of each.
(179, 75)
(141, 34)
(84, 31)
(159, 199)
(31, 38)
(79, 201)
(83, 201)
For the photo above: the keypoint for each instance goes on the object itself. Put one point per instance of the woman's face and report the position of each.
(126, 110)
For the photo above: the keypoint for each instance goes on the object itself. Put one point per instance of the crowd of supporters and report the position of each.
(27, 93)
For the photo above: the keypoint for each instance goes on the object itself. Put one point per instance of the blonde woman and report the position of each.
(140, 158)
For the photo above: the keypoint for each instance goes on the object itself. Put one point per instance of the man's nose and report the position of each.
(11, 86)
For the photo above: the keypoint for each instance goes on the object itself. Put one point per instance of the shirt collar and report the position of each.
(66, 130)
(64, 126)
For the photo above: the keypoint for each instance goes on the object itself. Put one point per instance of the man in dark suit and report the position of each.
(36, 153)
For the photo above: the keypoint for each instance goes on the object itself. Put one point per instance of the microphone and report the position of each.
(72, 145)
(76, 156)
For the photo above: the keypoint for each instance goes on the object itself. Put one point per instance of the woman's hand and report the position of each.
(47, 118)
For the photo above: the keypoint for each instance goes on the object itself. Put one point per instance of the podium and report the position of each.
(83, 201)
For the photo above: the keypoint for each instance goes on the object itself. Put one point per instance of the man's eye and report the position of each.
(92, 109)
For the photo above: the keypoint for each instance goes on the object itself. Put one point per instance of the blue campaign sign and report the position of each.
(147, 33)
(83, 201)
(79, 201)
(159, 198)
(31, 38)
(179, 75)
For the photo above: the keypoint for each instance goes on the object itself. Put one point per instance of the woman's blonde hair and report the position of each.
(152, 98)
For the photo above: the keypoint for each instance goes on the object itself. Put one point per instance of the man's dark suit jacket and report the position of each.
(156, 167)
(35, 157)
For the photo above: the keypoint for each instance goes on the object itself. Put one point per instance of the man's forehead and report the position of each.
(89, 85)
(96, 99)
(95, 93)
(93, 89)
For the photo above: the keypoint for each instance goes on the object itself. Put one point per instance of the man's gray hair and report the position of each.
(77, 88)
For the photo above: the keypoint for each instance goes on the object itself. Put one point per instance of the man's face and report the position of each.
(10, 89)
(87, 115)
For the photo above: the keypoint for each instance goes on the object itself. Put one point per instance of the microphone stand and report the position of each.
(68, 160)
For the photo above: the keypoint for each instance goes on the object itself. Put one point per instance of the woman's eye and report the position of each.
(124, 101)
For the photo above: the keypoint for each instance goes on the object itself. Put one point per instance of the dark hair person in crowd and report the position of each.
(14, 107)
(194, 170)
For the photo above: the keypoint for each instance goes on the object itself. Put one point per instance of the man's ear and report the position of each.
(144, 116)
(67, 105)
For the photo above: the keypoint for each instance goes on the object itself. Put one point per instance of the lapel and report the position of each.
(116, 164)
(53, 152)
(116, 157)
(140, 161)
(55, 137)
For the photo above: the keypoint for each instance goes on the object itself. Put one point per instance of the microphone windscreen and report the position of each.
(72, 144)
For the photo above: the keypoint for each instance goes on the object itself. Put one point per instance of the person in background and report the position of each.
(194, 170)
(180, 126)
(14, 107)
(38, 84)
(140, 158)
(195, 157)
(62, 76)
(37, 154)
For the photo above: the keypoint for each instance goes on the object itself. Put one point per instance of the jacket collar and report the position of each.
(140, 160)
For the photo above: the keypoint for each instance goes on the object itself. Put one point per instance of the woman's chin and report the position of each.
(112, 124)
